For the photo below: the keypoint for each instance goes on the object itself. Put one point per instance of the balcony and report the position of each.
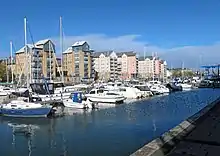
(85, 62)
(48, 60)
(36, 65)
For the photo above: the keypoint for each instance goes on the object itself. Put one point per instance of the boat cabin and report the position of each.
(96, 91)
(77, 97)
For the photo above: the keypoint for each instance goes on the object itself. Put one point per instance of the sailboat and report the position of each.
(57, 91)
(21, 108)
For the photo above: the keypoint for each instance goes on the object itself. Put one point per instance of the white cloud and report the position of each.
(192, 56)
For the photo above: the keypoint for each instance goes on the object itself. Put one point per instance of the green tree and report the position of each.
(3, 75)
(176, 73)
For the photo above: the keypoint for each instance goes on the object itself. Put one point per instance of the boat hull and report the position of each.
(106, 100)
(71, 104)
(32, 112)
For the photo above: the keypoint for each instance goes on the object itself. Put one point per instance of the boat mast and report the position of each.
(12, 71)
(182, 70)
(61, 49)
(50, 60)
(7, 77)
(26, 50)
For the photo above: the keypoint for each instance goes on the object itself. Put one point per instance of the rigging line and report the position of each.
(29, 30)
(14, 49)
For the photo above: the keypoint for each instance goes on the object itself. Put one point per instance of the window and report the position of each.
(92, 92)
(100, 91)
(122, 90)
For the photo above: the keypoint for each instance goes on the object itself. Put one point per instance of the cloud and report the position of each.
(192, 56)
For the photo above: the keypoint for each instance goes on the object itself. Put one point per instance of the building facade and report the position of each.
(38, 63)
(106, 65)
(77, 63)
(112, 65)
(152, 67)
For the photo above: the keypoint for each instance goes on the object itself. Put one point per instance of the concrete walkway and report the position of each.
(204, 139)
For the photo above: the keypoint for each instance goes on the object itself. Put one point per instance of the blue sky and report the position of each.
(177, 30)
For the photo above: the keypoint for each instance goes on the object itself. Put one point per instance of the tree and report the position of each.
(3, 74)
(184, 73)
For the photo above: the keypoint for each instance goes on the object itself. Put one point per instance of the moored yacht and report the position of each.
(128, 92)
(159, 89)
(50, 91)
(20, 108)
(76, 101)
(103, 96)
(185, 86)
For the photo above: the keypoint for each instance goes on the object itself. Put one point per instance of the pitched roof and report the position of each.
(36, 45)
(106, 53)
(141, 58)
(42, 42)
(22, 50)
(78, 43)
(68, 50)
(129, 53)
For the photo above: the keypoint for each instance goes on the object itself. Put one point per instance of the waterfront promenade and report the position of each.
(196, 136)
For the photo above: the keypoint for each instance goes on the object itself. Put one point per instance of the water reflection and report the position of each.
(26, 131)
(118, 130)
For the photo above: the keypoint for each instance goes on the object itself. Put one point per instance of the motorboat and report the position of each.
(20, 108)
(104, 96)
(128, 92)
(144, 89)
(185, 86)
(49, 92)
(173, 88)
(159, 89)
(76, 101)
(4, 91)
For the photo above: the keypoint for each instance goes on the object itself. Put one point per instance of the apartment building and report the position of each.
(152, 67)
(106, 64)
(39, 62)
(77, 63)
(112, 65)
(146, 67)
(128, 62)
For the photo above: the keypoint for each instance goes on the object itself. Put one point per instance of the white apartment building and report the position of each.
(146, 67)
(151, 67)
(106, 64)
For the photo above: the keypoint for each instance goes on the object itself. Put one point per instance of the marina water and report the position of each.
(116, 131)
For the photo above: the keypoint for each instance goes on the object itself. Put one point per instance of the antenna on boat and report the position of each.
(61, 48)
(12, 71)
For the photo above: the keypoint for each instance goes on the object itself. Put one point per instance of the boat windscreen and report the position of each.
(41, 89)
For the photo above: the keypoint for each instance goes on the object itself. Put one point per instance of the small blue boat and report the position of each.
(19, 108)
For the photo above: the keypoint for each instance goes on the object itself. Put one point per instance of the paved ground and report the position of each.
(204, 140)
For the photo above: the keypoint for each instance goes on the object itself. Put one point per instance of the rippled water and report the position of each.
(109, 132)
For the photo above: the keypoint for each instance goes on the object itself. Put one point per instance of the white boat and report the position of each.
(144, 90)
(101, 96)
(113, 86)
(50, 91)
(159, 89)
(185, 86)
(76, 102)
(4, 91)
(127, 92)
(20, 108)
